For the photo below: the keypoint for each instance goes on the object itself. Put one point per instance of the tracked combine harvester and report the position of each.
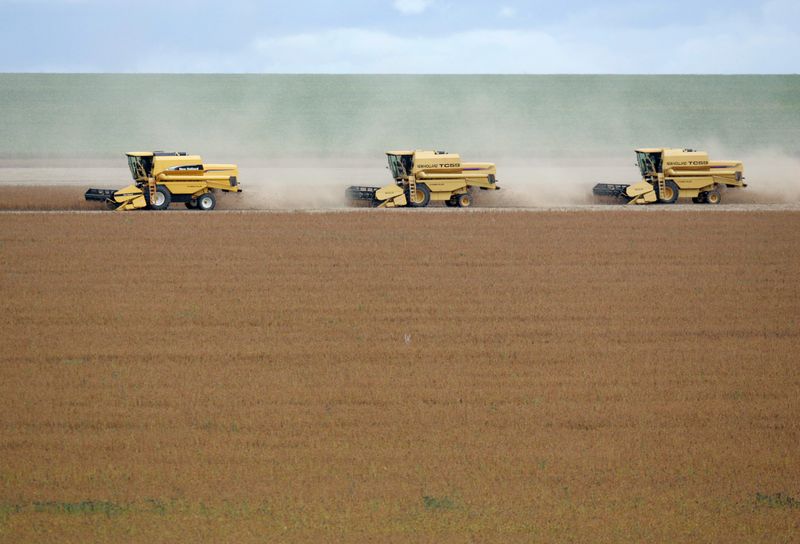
(160, 178)
(669, 174)
(424, 176)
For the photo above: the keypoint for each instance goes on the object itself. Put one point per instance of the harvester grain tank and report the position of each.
(669, 174)
(421, 177)
(160, 178)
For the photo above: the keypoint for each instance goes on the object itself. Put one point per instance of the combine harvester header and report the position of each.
(669, 174)
(423, 176)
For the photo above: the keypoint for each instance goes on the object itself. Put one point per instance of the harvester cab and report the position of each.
(668, 174)
(649, 163)
(160, 178)
(141, 166)
(424, 176)
(400, 164)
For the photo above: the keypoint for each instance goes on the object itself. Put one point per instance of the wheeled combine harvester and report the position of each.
(424, 176)
(669, 174)
(160, 178)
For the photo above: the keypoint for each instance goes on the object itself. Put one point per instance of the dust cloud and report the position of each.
(555, 182)
(772, 178)
(319, 183)
(300, 141)
(312, 184)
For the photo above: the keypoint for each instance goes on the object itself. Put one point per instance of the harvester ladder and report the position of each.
(412, 189)
(662, 188)
(151, 189)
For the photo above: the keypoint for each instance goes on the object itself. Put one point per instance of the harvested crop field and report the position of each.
(379, 376)
(43, 197)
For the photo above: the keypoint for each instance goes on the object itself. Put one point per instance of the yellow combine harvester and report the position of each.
(160, 178)
(669, 174)
(424, 176)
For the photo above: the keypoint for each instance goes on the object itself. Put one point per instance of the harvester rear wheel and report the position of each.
(162, 199)
(671, 192)
(451, 203)
(464, 201)
(700, 199)
(206, 202)
(191, 204)
(422, 196)
(713, 197)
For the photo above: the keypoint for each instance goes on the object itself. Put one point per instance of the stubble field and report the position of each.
(381, 376)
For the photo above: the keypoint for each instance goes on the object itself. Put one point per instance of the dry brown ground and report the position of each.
(602, 377)
(42, 197)
(70, 197)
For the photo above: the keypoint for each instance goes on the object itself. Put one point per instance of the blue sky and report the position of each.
(400, 36)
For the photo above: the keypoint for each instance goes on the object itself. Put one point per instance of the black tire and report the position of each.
(700, 199)
(464, 201)
(206, 202)
(163, 198)
(423, 196)
(713, 197)
(671, 192)
(191, 204)
(451, 203)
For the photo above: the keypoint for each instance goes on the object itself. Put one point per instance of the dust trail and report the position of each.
(772, 178)
(319, 183)
(562, 181)
(301, 140)
(313, 185)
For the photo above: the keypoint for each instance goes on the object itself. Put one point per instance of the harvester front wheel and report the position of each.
(713, 197)
(421, 197)
(162, 199)
(206, 202)
(671, 192)
(464, 201)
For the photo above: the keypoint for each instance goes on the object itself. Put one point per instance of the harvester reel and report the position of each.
(206, 202)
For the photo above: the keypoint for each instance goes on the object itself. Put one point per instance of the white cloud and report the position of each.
(411, 7)
(781, 10)
(766, 43)
(733, 47)
(476, 51)
(507, 12)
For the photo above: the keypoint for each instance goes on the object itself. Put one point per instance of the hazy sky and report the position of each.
(400, 36)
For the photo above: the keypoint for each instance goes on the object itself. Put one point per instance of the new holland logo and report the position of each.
(688, 163)
(440, 165)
